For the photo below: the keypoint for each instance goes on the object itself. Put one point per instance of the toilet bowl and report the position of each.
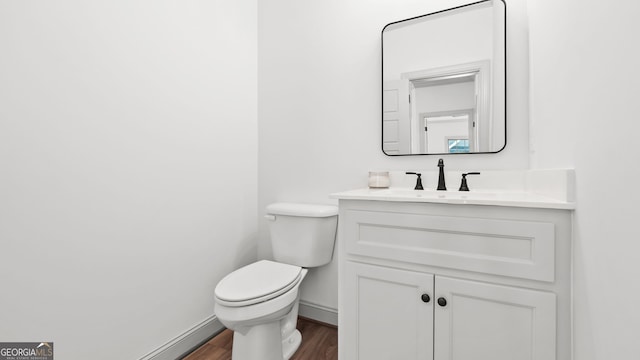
(261, 307)
(259, 302)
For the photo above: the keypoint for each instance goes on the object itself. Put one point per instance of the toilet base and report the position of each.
(274, 340)
(291, 344)
(258, 342)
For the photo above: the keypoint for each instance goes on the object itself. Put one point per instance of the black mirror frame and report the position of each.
(382, 79)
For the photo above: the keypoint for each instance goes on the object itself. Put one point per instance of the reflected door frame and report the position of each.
(472, 131)
(482, 117)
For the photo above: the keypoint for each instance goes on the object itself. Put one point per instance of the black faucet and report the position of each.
(463, 184)
(441, 184)
(418, 181)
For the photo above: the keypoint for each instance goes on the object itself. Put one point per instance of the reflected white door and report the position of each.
(396, 127)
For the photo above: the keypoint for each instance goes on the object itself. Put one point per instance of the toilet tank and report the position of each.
(302, 234)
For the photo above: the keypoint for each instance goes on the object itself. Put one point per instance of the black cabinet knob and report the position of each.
(425, 298)
(442, 301)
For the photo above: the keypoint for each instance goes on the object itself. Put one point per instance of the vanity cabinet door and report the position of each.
(388, 314)
(480, 321)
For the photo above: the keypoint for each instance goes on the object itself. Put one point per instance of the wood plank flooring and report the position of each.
(319, 342)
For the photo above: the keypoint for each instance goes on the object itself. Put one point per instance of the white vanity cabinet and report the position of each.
(383, 316)
(453, 282)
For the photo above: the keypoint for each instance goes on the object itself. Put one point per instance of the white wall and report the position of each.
(128, 165)
(439, 41)
(319, 106)
(585, 78)
(448, 97)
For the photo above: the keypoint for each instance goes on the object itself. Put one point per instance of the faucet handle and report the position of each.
(463, 184)
(418, 180)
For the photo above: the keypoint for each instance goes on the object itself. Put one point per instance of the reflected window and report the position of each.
(458, 145)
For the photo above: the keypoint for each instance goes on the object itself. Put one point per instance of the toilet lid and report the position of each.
(257, 282)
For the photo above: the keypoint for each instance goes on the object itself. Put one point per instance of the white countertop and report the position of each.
(480, 197)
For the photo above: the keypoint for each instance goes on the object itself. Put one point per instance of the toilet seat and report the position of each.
(256, 283)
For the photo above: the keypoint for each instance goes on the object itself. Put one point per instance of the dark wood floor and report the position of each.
(319, 342)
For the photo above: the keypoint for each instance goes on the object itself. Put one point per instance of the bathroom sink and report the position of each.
(401, 193)
(474, 197)
(404, 194)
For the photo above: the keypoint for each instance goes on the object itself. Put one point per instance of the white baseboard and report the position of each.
(318, 312)
(184, 343)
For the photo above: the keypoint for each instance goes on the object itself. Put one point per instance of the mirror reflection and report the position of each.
(444, 82)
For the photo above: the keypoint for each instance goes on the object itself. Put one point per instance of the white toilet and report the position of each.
(259, 302)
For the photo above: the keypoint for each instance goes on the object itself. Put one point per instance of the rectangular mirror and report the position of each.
(444, 82)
